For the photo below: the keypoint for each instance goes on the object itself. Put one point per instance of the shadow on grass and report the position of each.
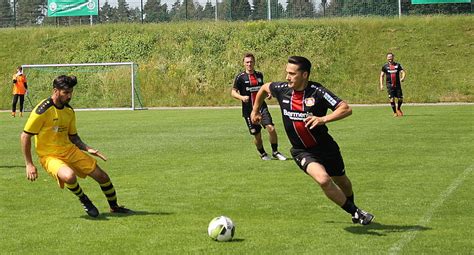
(379, 229)
(107, 215)
(10, 167)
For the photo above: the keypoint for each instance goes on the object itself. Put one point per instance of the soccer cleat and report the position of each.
(395, 114)
(120, 209)
(399, 112)
(278, 155)
(362, 217)
(264, 156)
(89, 207)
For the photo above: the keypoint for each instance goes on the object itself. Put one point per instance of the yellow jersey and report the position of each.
(52, 127)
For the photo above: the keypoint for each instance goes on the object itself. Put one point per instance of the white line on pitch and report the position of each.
(423, 222)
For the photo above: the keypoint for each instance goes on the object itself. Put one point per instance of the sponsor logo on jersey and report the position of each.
(297, 116)
(330, 99)
(309, 101)
(285, 101)
(253, 89)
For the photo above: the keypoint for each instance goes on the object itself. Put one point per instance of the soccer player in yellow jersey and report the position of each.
(60, 149)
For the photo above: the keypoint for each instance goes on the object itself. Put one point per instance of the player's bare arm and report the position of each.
(31, 171)
(262, 93)
(235, 94)
(382, 75)
(75, 139)
(342, 110)
(402, 75)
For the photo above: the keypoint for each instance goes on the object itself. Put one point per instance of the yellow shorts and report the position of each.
(80, 162)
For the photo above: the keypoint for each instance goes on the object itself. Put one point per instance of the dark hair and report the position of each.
(249, 55)
(389, 53)
(19, 68)
(303, 63)
(64, 82)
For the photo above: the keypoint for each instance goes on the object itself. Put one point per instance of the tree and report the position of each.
(123, 12)
(30, 12)
(209, 11)
(240, 10)
(6, 14)
(300, 8)
(259, 10)
(155, 11)
(107, 13)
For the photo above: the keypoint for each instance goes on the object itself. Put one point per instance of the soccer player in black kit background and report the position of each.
(245, 88)
(304, 105)
(394, 74)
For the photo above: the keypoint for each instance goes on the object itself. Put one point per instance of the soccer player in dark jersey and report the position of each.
(61, 151)
(304, 105)
(394, 75)
(246, 86)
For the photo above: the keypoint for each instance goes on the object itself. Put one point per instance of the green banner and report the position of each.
(439, 1)
(58, 8)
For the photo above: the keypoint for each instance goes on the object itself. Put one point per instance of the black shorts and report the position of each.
(327, 155)
(395, 92)
(266, 120)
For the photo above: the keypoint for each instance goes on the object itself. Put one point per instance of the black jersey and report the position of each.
(248, 85)
(297, 105)
(392, 74)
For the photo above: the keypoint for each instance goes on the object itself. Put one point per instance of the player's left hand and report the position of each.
(97, 153)
(269, 96)
(313, 121)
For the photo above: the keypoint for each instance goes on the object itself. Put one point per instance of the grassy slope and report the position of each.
(195, 63)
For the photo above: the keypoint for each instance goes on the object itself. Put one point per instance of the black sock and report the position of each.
(393, 107)
(75, 188)
(274, 147)
(109, 192)
(400, 102)
(261, 150)
(349, 207)
(351, 198)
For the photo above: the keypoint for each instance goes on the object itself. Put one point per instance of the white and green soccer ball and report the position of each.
(221, 229)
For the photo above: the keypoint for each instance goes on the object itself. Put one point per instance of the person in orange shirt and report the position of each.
(19, 90)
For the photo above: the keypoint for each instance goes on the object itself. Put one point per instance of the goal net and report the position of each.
(111, 86)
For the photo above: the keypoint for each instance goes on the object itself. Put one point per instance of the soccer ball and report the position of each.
(221, 229)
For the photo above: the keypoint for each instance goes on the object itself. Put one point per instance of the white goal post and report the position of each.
(101, 86)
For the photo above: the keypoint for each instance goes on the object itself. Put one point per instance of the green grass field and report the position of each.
(180, 168)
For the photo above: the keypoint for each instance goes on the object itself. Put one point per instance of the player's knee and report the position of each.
(270, 128)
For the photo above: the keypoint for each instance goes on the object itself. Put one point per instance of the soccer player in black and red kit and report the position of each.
(304, 105)
(394, 74)
(245, 88)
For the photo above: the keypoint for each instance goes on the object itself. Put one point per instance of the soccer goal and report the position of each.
(100, 86)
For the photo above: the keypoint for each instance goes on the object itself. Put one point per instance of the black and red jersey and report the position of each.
(248, 85)
(392, 74)
(297, 105)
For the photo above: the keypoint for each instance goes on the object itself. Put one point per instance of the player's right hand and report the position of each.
(255, 117)
(245, 99)
(31, 172)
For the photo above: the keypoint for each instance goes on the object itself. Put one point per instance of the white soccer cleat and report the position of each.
(279, 156)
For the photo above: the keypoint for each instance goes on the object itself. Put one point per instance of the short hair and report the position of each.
(303, 63)
(19, 68)
(248, 55)
(389, 53)
(64, 82)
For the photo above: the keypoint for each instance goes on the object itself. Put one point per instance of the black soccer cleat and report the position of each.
(120, 209)
(362, 217)
(89, 207)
